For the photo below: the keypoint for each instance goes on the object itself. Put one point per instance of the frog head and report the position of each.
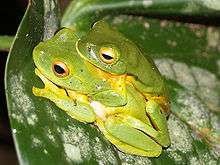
(108, 49)
(58, 60)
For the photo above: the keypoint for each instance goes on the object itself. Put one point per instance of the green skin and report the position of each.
(115, 97)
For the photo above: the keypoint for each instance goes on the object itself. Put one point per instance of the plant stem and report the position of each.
(6, 42)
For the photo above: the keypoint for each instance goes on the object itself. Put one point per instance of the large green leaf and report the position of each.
(187, 55)
(80, 14)
(42, 133)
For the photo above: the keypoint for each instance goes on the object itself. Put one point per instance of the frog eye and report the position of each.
(60, 69)
(108, 55)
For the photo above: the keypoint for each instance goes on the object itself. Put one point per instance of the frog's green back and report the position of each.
(130, 61)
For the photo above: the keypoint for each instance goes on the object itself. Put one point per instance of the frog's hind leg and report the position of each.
(128, 139)
(159, 122)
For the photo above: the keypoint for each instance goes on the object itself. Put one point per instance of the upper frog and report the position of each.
(112, 52)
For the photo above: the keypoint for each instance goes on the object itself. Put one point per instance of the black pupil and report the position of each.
(107, 57)
(58, 69)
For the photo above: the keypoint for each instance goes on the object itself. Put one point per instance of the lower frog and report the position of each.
(129, 111)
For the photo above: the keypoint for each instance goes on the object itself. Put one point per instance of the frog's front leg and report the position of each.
(114, 97)
(111, 98)
(77, 109)
(159, 122)
(124, 132)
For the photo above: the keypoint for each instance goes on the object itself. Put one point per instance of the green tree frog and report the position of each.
(105, 79)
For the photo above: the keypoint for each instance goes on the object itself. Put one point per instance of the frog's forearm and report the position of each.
(81, 111)
(77, 109)
(110, 98)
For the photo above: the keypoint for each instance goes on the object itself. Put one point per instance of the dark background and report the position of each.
(11, 13)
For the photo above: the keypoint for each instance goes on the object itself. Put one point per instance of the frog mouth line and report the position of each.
(48, 84)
